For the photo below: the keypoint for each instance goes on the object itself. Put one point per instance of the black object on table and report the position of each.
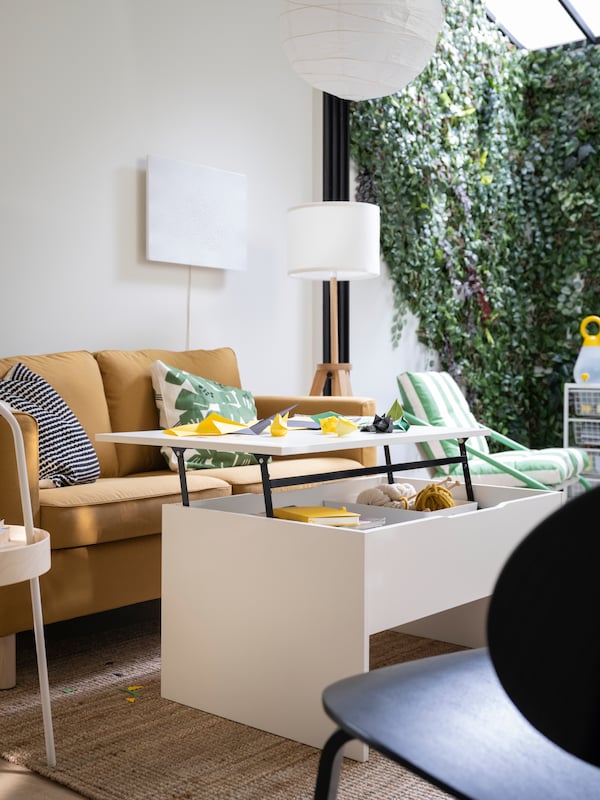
(517, 720)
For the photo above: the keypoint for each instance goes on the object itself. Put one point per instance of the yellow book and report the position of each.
(318, 515)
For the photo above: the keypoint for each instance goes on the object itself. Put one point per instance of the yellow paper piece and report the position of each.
(213, 425)
(328, 424)
(216, 425)
(341, 426)
(345, 426)
(184, 430)
(279, 425)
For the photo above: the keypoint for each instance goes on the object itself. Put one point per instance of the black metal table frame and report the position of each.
(388, 468)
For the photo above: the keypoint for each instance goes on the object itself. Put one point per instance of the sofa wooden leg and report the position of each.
(8, 661)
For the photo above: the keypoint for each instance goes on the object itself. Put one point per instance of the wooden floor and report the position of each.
(17, 783)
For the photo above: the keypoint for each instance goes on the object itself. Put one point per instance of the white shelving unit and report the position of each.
(581, 425)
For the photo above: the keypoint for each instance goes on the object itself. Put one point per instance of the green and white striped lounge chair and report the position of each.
(434, 398)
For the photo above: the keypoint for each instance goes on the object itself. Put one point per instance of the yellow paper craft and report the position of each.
(212, 425)
(183, 430)
(279, 425)
(345, 426)
(338, 425)
(328, 424)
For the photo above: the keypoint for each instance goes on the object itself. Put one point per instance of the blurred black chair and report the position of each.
(516, 720)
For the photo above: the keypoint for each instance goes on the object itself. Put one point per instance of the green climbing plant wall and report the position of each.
(486, 170)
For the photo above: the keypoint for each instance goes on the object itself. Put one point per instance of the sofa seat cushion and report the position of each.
(118, 508)
(248, 479)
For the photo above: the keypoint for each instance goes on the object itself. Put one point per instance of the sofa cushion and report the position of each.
(552, 466)
(126, 376)
(76, 378)
(182, 398)
(436, 398)
(66, 455)
(118, 508)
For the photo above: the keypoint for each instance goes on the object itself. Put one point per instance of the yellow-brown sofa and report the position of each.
(105, 535)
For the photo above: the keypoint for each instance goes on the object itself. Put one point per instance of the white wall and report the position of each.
(88, 90)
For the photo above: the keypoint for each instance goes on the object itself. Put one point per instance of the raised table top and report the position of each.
(296, 442)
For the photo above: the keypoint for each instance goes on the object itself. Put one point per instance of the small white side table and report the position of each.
(25, 555)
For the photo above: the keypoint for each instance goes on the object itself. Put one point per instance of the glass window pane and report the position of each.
(537, 23)
(589, 10)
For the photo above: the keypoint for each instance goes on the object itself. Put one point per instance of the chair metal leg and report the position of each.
(330, 764)
(40, 647)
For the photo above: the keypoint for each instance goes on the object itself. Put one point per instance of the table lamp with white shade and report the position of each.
(331, 241)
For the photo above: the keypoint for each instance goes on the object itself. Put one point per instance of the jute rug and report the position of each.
(117, 739)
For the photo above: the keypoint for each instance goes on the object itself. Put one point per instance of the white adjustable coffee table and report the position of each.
(260, 614)
(306, 442)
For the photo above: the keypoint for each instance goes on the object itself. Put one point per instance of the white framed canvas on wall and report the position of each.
(195, 215)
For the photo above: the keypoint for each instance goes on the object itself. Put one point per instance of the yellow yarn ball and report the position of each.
(433, 497)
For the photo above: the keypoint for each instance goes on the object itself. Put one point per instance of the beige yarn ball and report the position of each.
(391, 495)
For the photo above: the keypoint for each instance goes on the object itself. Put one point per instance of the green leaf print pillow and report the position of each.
(183, 398)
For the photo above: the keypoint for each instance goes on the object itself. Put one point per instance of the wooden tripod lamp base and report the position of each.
(340, 379)
(339, 373)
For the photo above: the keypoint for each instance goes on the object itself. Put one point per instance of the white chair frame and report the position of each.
(25, 565)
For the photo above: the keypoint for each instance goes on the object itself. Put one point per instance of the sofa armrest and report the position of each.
(10, 494)
(317, 404)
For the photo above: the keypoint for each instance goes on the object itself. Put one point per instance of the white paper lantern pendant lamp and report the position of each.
(360, 49)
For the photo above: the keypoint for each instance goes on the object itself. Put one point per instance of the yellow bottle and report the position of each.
(587, 366)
